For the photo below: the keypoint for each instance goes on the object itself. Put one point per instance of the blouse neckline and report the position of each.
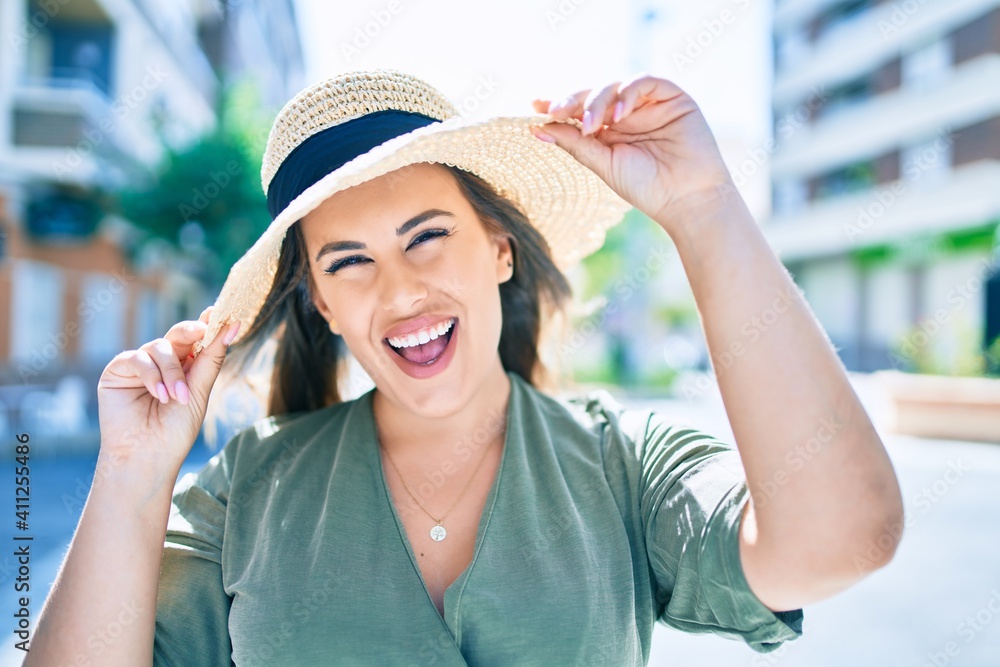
(453, 594)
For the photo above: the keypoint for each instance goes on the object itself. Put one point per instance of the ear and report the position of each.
(504, 258)
(325, 312)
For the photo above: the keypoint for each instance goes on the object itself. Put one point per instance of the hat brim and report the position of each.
(566, 201)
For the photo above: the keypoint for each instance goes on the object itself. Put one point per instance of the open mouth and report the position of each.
(427, 353)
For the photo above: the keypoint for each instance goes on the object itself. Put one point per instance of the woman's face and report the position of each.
(400, 254)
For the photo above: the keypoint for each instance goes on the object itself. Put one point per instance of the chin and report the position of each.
(430, 399)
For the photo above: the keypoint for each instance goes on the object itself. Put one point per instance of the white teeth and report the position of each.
(422, 336)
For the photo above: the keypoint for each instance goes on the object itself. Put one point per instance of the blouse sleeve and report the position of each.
(192, 607)
(692, 494)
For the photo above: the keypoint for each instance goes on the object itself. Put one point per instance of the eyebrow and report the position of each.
(335, 246)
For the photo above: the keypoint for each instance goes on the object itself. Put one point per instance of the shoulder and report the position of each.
(639, 437)
(598, 409)
(277, 438)
(596, 414)
(586, 410)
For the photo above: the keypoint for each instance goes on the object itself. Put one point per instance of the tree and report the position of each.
(205, 198)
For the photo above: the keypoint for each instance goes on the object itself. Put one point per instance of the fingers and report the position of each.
(184, 335)
(599, 107)
(162, 365)
(643, 89)
(610, 104)
(162, 353)
(171, 360)
(139, 363)
(204, 369)
(587, 150)
(569, 107)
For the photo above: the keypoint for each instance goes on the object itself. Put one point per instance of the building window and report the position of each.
(852, 178)
(856, 92)
(887, 77)
(82, 53)
(838, 16)
(790, 197)
(977, 37)
(846, 96)
(36, 320)
(887, 167)
(62, 217)
(72, 51)
(928, 65)
(977, 142)
(102, 317)
(147, 320)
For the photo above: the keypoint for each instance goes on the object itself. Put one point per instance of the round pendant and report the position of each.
(438, 533)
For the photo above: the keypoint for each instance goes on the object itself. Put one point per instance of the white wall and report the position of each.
(955, 296)
(36, 313)
(888, 307)
(831, 288)
(101, 314)
(872, 40)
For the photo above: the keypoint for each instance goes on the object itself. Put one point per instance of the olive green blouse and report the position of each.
(286, 548)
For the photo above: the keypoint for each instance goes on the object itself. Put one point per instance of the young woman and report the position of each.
(455, 513)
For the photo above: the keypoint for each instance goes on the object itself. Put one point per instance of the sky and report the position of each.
(495, 58)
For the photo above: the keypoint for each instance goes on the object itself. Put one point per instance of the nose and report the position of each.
(401, 287)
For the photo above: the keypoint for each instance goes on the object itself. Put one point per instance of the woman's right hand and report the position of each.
(152, 401)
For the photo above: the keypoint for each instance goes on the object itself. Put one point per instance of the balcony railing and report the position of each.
(64, 128)
(56, 110)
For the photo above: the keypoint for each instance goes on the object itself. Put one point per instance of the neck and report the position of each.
(410, 436)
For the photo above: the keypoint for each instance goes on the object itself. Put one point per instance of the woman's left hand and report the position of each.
(658, 154)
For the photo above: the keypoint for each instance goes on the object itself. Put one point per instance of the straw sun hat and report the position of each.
(358, 126)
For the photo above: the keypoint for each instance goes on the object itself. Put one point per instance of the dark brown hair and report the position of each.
(308, 361)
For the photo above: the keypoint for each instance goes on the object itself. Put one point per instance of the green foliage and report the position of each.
(914, 352)
(945, 244)
(659, 381)
(992, 358)
(678, 315)
(602, 271)
(601, 373)
(970, 359)
(608, 263)
(210, 188)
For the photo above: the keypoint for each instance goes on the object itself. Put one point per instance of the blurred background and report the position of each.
(863, 134)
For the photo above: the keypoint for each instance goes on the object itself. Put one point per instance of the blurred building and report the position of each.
(89, 90)
(885, 168)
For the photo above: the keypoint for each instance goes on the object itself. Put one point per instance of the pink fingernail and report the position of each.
(544, 137)
(588, 122)
(161, 392)
(182, 392)
(231, 333)
(618, 111)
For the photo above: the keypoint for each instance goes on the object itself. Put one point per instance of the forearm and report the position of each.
(102, 606)
(821, 481)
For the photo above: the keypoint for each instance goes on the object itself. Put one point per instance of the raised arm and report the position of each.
(102, 606)
(822, 486)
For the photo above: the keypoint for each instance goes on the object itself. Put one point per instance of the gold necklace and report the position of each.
(438, 532)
